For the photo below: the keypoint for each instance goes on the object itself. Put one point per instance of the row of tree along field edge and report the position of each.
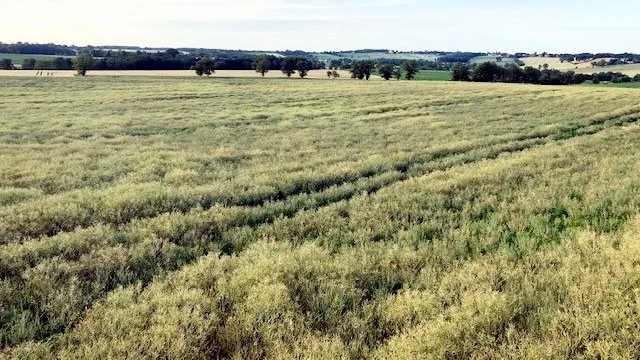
(58, 57)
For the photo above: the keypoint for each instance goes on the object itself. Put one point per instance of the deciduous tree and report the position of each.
(289, 66)
(362, 69)
(6, 64)
(303, 66)
(410, 68)
(204, 66)
(397, 73)
(386, 71)
(262, 66)
(486, 72)
(83, 62)
(460, 72)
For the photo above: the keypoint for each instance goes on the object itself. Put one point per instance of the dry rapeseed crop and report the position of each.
(208, 218)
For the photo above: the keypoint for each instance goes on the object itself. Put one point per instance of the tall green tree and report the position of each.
(303, 66)
(83, 62)
(397, 73)
(410, 68)
(204, 66)
(289, 66)
(6, 64)
(487, 72)
(362, 69)
(61, 64)
(531, 74)
(28, 64)
(386, 71)
(262, 66)
(512, 73)
(460, 72)
(172, 52)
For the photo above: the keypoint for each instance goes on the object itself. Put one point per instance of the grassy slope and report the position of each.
(18, 58)
(433, 75)
(446, 220)
(481, 59)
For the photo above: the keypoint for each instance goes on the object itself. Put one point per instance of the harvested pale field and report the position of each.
(274, 74)
(628, 69)
(555, 63)
(582, 68)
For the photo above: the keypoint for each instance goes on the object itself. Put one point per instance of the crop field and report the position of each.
(628, 69)
(482, 59)
(582, 68)
(555, 63)
(193, 218)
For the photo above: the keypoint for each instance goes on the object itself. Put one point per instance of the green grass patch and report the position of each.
(433, 75)
(18, 58)
(482, 59)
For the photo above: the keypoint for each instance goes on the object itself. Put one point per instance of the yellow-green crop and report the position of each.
(266, 218)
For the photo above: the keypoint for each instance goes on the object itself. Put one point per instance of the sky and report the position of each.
(556, 26)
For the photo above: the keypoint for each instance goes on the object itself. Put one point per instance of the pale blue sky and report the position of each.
(498, 25)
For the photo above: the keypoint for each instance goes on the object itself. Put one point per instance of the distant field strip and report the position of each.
(149, 191)
(18, 58)
(313, 74)
(583, 67)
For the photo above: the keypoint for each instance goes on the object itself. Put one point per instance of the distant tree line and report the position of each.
(139, 60)
(6, 64)
(512, 73)
(43, 49)
(348, 64)
(359, 51)
(421, 64)
(287, 65)
(167, 60)
(443, 63)
(290, 62)
(445, 59)
(459, 57)
(628, 57)
(614, 77)
(363, 69)
(365, 51)
(58, 63)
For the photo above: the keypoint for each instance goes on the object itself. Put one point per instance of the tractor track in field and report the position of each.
(400, 171)
(284, 191)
